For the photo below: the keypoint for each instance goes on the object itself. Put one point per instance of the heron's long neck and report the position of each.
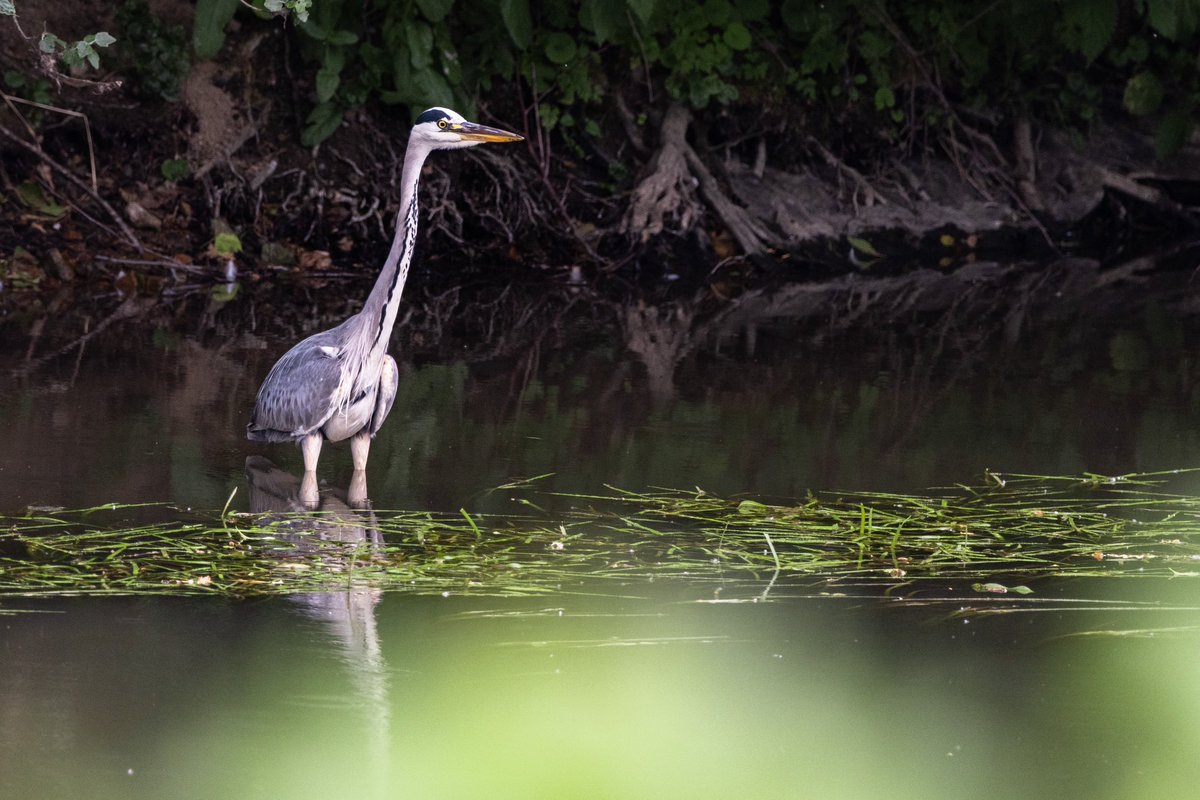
(379, 312)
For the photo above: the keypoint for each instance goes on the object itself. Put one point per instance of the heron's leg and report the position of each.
(356, 494)
(310, 446)
(360, 447)
(310, 496)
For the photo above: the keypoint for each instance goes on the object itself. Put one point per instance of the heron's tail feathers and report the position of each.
(257, 434)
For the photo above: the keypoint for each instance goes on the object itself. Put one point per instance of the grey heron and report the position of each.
(340, 384)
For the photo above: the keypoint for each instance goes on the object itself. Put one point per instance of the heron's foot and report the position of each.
(360, 448)
(310, 496)
(356, 494)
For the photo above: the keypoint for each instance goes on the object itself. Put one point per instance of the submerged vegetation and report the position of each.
(999, 538)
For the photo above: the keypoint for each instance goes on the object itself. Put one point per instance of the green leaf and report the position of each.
(93, 58)
(103, 39)
(824, 52)
(420, 44)
(327, 84)
(435, 10)
(1173, 133)
(7, 8)
(863, 246)
(311, 28)
(431, 88)
(560, 48)
(224, 292)
(1143, 94)
(174, 169)
(333, 59)
(341, 37)
(1095, 22)
(602, 17)
(1000, 588)
(226, 244)
(884, 98)
(752, 507)
(49, 43)
(298, 8)
(737, 36)
(644, 9)
(31, 195)
(321, 124)
(208, 28)
(516, 18)
(1164, 17)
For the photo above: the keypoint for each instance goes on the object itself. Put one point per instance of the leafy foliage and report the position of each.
(75, 54)
(226, 244)
(158, 51)
(29, 88)
(892, 68)
(174, 169)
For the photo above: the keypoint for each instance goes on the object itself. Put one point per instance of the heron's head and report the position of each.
(442, 129)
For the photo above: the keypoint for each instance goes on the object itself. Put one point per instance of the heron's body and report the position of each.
(340, 384)
(322, 386)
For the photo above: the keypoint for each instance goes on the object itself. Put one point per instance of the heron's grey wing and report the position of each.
(297, 396)
(389, 381)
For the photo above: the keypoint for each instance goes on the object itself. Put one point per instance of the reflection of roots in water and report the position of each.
(348, 617)
(925, 330)
(660, 337)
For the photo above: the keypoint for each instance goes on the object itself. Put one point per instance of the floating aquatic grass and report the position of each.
(996, 538)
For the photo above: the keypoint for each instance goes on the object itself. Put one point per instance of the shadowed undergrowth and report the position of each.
(998, 538)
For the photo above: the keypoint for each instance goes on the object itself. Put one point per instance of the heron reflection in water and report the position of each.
(340, 384)
(343, 533)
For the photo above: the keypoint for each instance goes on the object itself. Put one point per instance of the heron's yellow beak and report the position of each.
(474, 132)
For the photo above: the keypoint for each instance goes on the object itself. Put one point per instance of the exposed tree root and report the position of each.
(1140, 191)
(749, 232)
(667, 192)
(869, 193)
(1026, 169)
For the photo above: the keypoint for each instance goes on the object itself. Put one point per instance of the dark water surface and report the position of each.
(668, 690)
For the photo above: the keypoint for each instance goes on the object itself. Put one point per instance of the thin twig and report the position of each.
(87, 128)
(75, 179)
(166, 262)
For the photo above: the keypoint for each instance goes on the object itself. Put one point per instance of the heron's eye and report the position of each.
(442, 124)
